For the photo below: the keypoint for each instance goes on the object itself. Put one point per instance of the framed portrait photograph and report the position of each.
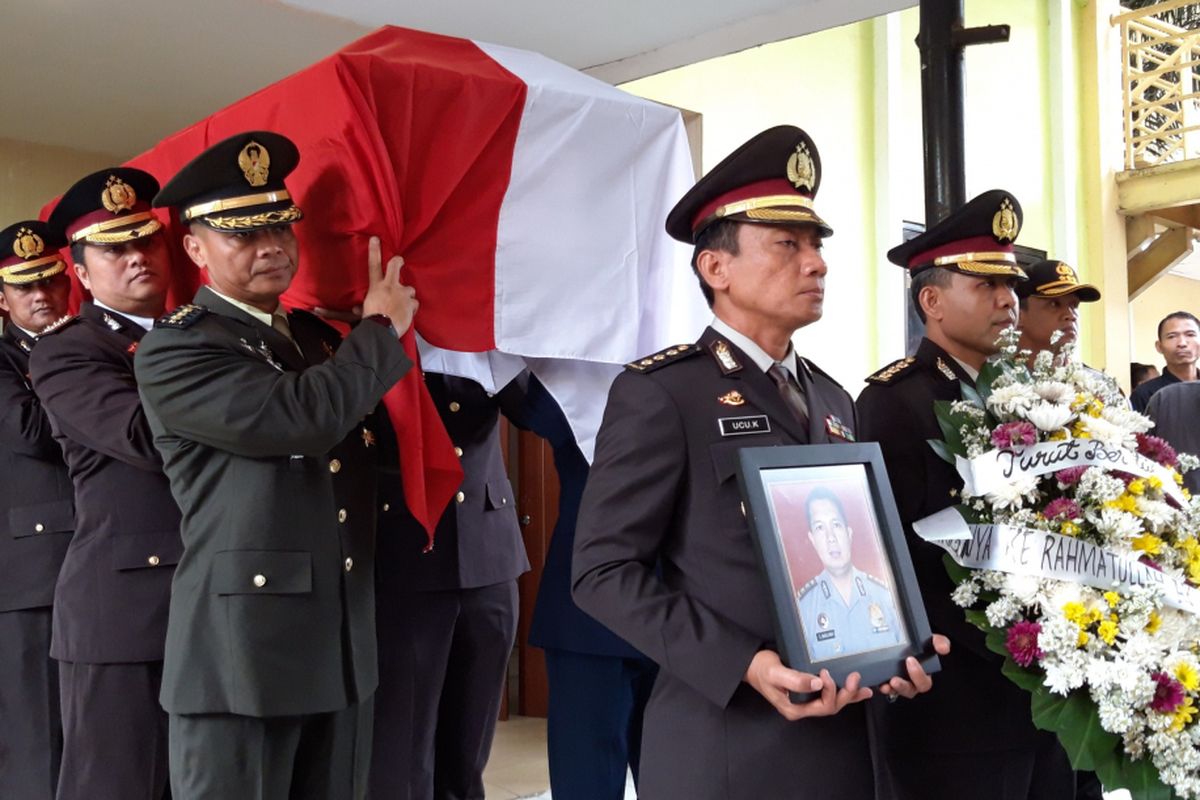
(833, 551)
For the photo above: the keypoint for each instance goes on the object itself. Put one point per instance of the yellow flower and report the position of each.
(1155, 622)
(1060, 435)
(1068, 528)
(1126, 502)
(1079, 431)
(1178, 477)
(1155, 482)
(1148, 543)
(1187, 675)
(1075, 612)
(1112, 598)
(1083, 639)
(1095, 408)
(1107, 631)
(1187, 494)
(1183, 715)
(1136, 487)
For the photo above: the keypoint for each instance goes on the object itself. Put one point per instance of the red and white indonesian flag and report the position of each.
(527, 200)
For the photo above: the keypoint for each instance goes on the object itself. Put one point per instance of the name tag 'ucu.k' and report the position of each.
(740, 426)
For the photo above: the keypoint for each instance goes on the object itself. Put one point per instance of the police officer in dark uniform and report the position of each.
(270, 658)
(1049, 303)
(110, 605)
(973, 736)
(447, 612)
(36, 516)
(663, 554)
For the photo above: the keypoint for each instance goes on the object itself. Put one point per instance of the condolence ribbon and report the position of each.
(1042, 554)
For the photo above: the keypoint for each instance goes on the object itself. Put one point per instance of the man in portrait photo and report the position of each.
(843, 610)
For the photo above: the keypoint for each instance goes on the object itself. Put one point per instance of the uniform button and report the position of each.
(349, 564)
(260, 581)
(153, 561)
(39, 527)
(460, 497)
(454, 406)
(341, 515)
(503, 501)
(458, 452)
(387, 506)
(335, 466)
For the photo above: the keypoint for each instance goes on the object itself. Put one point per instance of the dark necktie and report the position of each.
(790, 393)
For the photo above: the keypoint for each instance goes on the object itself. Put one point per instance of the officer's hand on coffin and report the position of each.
(386, 294)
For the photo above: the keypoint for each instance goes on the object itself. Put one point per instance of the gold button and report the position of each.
(387, 506)
(349, 564)
(503, 501)
(153, 561)
(335, 466)
(341, 515)
(39, 527)
(460, 497)
(458, 452)
(260, 581)
(454, 406)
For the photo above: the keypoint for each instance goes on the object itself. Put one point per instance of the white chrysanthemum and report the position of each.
(965, 594)
(1102, 430)
(1140, 648)
(1015, 493)
(1002, 611)
(1158, 515)
(1115, 525)
(1127, 418)
(1023, 588)
(1115, 715)
(1055, 392)
(1050, 416)
(1010, 401)
(1062, 678)
(1098, 487)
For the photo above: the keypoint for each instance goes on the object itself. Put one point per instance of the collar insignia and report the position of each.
(28, 244)
(112, 324)
(1004, 223)
(368, 437)
(800, 169)
(944, 368)
(724, 356)
(117, 195)
(24, 345)
(733, 398)
(255, 163)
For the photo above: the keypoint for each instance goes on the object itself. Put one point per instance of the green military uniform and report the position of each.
(834, 627)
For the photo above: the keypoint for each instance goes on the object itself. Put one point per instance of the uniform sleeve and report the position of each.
(209, 390)
(94, 401)
(24, 426)
(631, 496)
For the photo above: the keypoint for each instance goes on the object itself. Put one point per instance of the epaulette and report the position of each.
(806, 588)
(875, 580)
(58, 325)
(894, 370)
(804, 362)
(663, 357)
(183, 317)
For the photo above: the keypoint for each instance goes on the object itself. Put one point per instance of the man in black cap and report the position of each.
(264, 419)
(110, 606)
(973, 736)
(36, 516)
(1049, 303)
(663, 554)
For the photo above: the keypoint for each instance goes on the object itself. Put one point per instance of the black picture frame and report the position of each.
(813, 632)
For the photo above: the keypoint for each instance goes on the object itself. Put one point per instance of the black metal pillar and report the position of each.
(941, 40)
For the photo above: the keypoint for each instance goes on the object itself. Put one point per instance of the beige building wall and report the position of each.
(32, 174)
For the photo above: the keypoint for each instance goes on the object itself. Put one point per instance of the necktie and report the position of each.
(790, 392)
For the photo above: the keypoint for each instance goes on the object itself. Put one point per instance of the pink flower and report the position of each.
(1014, 434)
(1064, 508)
(1156, 449)
(1022, 642)
(1070, 476)
(1168, 693)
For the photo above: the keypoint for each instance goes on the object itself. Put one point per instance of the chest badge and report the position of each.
(263, 351)
(740, 426)
(835, 427)
(878, 623)
(733, 398)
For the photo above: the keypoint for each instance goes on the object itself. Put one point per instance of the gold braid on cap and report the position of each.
(284, 215)
(103, 233)
(981, 263)
(19, 274)
(230, 203)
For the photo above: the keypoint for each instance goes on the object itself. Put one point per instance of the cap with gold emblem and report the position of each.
(977, 239)
(770, 180)
(1055, 279)
(237, 184)
(29, 252)
(107, 207)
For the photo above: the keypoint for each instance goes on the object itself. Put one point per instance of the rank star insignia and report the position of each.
(368, 437)
(944, 368)
(733, 398)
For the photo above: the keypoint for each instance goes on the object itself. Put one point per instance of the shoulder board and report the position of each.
(813, 367)
(806, 588)
(875, 580)
(58, 325)
(894, 371)
(183, 317)
(663, 357)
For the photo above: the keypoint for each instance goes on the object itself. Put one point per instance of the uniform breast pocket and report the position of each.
(42, 518)
(147, 550)
(236, 572)
(499, 494)
(725, 469)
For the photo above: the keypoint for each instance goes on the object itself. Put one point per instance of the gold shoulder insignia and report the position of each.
(57, 325)
(893, 370)
(662, 358)
(183, 317)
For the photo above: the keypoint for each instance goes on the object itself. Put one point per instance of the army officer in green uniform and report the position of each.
(264, 421)
(843, 610)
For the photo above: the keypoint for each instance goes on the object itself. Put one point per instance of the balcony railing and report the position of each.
(1162, 85)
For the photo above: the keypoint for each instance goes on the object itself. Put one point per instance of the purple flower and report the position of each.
(1064, 508)
(1168, 693)
(1156, 449)
(1070, 476)
(1014, 434)
(1022, 642)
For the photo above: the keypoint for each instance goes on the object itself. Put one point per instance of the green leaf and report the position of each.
(987, 376)
(957, 572)
(942, 451)
(971, 394)
(1028, 679)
